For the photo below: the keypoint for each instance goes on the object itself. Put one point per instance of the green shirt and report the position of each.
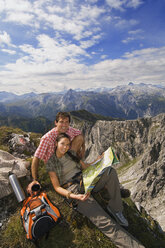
(64, 167)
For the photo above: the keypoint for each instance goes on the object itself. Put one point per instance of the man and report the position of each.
(47, 144)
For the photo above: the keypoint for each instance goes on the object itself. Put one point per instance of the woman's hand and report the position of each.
(100, 156)
(82, 197)
(29, 187)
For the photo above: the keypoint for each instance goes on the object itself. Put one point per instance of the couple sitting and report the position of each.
(63, 165)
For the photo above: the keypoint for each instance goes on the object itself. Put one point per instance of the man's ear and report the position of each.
(55, 123)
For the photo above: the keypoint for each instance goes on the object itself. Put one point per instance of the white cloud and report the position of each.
(125, 24)
(104, 56)
(19, 17)
(89, 43)
(134, 35)
(49, 50)
(146, 65)
(5, 38)
(135, 32)
(73, 18)
(134, 3)
(12, 52)
(16, 5)
(122, 4)
(116, 4)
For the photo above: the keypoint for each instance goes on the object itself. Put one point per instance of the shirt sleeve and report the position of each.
(73, 132)
(45, 149)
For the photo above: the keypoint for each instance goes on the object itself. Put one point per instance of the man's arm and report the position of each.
(34, 167)
(78, 145)
(83, 150)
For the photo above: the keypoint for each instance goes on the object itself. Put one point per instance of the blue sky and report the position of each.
(52, 45)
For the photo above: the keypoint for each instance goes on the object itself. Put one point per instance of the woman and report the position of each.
(65, 170)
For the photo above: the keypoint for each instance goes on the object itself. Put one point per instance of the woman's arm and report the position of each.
(64, 192)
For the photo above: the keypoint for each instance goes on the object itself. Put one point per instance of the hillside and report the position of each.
(139, 145)
(37, 125)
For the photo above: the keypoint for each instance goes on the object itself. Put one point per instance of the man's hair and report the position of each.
(63, 115)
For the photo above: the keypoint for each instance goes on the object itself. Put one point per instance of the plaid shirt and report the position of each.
(47, 144)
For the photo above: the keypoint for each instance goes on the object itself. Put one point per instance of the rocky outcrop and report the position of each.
(10, 163)
(20, 145)
(140, 146)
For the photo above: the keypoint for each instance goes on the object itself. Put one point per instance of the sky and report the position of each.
(55, 45)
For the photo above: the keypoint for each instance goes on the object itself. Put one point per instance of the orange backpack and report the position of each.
(38, 215)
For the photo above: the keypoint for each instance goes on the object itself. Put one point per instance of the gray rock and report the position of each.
(10, 163)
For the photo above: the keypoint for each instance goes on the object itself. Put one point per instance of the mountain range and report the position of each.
(127, 102)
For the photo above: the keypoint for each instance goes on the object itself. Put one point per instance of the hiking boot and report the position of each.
(125, 193)
(119, 217)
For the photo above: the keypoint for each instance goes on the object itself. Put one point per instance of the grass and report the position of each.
(127, 165)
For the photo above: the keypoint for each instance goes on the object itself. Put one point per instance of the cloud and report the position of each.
(16, 5)
(145, 65)
(134, 35)
(125, 24)
(135, 32)
(89, 43)
(20, 18)
(71, 17)
(5, 38)
(12, 52)
(122, 4)
(134, 3)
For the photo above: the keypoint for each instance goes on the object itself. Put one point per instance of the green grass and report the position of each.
(127, 165)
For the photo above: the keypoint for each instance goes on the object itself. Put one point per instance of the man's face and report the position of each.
(62, 125)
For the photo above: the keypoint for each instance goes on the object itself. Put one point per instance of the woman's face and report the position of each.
(63, 145)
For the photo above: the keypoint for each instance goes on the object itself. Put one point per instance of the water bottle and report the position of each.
(16, 187)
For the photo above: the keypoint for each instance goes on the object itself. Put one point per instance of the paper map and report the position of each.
(92, 174)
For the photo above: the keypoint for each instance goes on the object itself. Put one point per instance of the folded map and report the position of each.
(92, 174)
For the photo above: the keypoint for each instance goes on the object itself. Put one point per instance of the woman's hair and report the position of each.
(61, 136)
(64, 135)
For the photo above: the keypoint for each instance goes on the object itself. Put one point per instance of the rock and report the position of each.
(10, 163)
(20, 145)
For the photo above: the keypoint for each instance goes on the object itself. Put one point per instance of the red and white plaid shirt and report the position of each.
(47, 143)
